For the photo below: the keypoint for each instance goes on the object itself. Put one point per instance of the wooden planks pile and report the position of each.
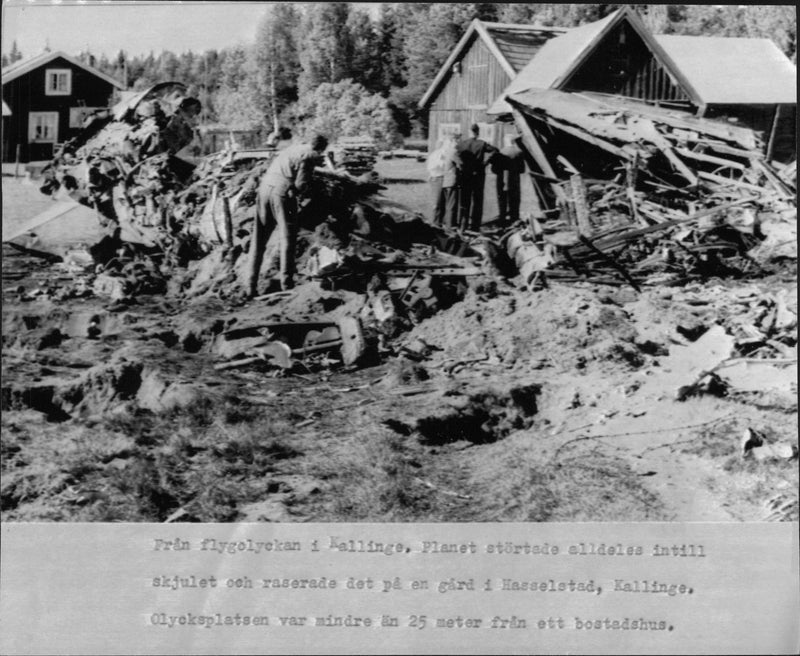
(356, 155)
(646, 192)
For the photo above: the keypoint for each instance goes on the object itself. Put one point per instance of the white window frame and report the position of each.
(48, 76)
(33, 118)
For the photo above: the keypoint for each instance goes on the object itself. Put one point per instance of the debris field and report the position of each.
(627, 351)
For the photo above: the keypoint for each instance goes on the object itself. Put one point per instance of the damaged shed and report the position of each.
(745, 79)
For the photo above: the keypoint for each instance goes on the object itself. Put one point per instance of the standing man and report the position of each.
(443, 168)
(451, 181)
(475, 154)
(508, 166)
(286, 183)
(435, 166)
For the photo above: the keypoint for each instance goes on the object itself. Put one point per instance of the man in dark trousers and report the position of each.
(475, 154)
(508, 165)
(286, 183)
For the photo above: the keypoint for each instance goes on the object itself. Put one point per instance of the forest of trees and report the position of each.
(317, 63)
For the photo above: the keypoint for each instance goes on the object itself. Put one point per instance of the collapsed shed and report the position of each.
(629, 187)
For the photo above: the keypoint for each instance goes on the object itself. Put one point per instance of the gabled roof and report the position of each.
(24, 66)
(512, 46)
(560, 57)
(733, 70)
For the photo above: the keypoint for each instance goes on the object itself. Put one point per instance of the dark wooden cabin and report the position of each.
(746, 80)
(484, 61)
(49, 96)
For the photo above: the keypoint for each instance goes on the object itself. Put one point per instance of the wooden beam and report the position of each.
(772, 132)
(709, 158)
(779, 185)
(650, 132)
(586, 136)
(725, 182)
(535, 149)
(581, 206)
(726, 149)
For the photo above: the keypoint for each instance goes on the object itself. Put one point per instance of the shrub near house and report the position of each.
(345, 109)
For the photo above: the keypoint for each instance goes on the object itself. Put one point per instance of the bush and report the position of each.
(237, 109)
(344, 109)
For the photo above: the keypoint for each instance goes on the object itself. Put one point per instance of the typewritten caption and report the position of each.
(400, 588)
(254, 581)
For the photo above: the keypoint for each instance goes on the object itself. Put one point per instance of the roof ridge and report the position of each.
(13, 71)
(523, 26)
(716, 36)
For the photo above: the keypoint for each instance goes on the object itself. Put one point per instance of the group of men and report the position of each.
(457, 171)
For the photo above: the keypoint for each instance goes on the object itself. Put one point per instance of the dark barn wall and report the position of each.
(465, 97)
(623, 64)
(27, 94)
(760, 118)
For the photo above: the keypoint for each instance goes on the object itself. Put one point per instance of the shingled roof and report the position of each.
(512, 46)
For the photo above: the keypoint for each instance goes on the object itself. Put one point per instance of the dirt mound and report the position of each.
(560, 327)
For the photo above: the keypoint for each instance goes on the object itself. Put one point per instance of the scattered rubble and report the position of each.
(641, 195)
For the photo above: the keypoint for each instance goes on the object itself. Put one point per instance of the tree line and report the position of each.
(324, 65)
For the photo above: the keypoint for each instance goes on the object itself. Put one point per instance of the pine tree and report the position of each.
(390, 47)
(325, 46)
(366, 62)
(276, 64)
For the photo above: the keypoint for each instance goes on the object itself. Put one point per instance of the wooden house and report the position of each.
(749, 81)
(49, 96)
(483, 62)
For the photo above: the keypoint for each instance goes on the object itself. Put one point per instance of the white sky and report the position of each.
(135, 26)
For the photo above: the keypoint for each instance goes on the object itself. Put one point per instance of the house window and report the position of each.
(43, 127)
(57, 82)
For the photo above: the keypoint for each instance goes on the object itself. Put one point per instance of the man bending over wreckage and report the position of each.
(285, 186)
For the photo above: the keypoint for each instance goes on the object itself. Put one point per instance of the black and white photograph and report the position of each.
(399, 262)
(404, 263)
